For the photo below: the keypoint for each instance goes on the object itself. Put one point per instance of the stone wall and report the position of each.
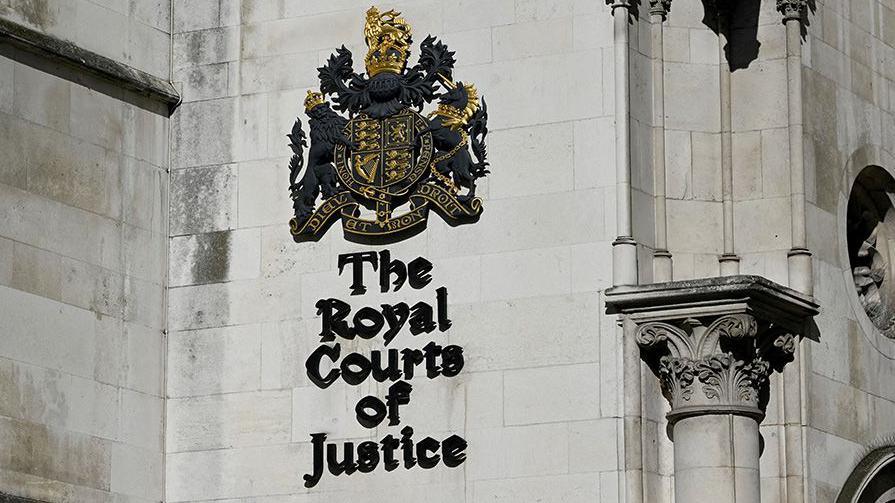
(536, 405)
(848, 72)
(83, 216)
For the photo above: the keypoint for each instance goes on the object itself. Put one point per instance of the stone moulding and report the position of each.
(713, 342)
(58, 51)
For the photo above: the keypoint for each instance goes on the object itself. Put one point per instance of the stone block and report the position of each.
(205, 47)
(706, 174)
(588, 445)
(252, 125)
(203, 200)
(155, 13)
(678, 164)
(237, 473)
(551, 394)
(281, 256)
(329, 411)
(524, 223)
(691, 80)
(759, 96)
(555, 488)
(221, 360)
(703, 47)
(43, 332)
(137, 472)
(285, 345)
(594, 153)
(203, 82)
(36, 271)
(149, 49)
(215, 257)
(111, 41)
(53, 454)
(536, 38)
(263, 195)
(193, 15)
(676, 44)
(144, 353)
(41, 98)
(694, 226)
(146, 204)
(473, 47)
(144, 302)
(833, 457)
(323, 31)
(547, 331)
(747, 165)
(526, 273)
(523, 149)
(203, 133)
(229, 421)
(90, 287)
(142, 420)
(775, 162)
(7, 85)
(287, 71)
(559, 99)
(496, 13)
(764, 222)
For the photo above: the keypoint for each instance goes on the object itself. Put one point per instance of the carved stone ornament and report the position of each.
(659, 7)
(713, 342)
(387, 157)
(791, 9)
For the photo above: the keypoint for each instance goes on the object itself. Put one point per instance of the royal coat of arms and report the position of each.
(384, 167)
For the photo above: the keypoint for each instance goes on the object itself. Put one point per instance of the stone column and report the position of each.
(714, 371)
(713, 343)
(624, 248)
(662, 262)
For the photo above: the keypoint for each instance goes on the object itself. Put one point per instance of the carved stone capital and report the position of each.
(791, 9)
(659, 7)
(714, 363)
(714, 342)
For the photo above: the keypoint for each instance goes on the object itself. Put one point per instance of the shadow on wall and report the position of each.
(743, 44)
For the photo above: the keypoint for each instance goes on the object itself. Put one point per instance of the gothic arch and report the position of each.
(873, 480)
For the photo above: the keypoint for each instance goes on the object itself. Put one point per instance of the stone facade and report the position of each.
(83, 226)
(156, 315)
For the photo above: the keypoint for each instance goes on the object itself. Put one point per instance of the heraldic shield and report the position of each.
(382, 169)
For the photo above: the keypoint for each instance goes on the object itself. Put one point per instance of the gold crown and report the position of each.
(313, 99)
(388, 40)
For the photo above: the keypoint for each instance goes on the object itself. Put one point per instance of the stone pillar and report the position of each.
(713, 343)
(624, 248)
(662, 262)
(714, 371)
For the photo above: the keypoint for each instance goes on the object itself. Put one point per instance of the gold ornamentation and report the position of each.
(313, 100)
(453, 117)
(443, 178)
(388, 40)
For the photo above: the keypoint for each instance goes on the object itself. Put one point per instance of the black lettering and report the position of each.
(398, 395)
(407, 447)
(421, 318)
(355, 368)
(367, 456)
(389, 444)
(311, 479)
(334, 312)
(390, 373)
(451, 360)
(423, 448)
(432, 351)
(366, 419)
(312, 365)
(346, 465)
(357, 269)
(453, 451)
(389, 267)
(411, 358)
(444, 322)
(368, 322)
(418, 273)
(396, 316)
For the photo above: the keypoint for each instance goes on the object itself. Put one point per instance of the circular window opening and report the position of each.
(873, 480)
(871, 246)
